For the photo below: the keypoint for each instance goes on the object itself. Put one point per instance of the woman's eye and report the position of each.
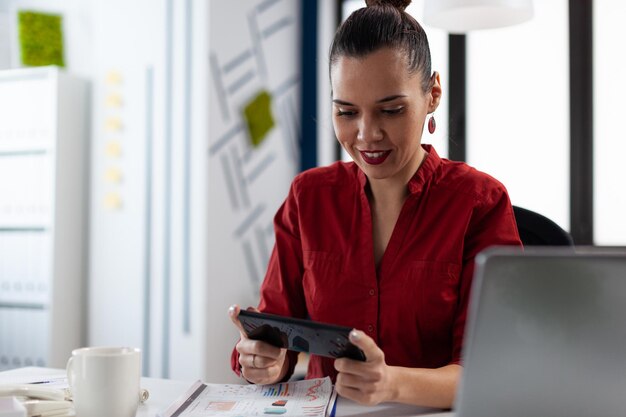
(393, 111)
(345, 113)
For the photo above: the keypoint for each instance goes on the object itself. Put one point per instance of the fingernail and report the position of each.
(231, 310)
(354, 335)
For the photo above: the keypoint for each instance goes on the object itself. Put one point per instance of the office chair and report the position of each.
(537, 230)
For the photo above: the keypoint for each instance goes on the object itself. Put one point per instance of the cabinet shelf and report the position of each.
(43, 143)
(22, 306)
(20, 229)
(24, 152)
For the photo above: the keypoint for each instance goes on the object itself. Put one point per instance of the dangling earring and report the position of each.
(432, 125)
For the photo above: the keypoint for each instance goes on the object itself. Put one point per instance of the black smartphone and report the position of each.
(300, 335)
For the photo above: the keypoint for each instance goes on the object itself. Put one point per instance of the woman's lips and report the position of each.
(374, 157)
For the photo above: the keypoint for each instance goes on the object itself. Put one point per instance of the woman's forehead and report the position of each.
(380, 73)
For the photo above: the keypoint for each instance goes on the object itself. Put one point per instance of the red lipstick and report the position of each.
(374, 157)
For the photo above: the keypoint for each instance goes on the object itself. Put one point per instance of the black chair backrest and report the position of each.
(537, 230)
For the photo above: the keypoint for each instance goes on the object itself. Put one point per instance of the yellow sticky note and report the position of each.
(113, 149)
(113, 175)
(113, 201)
(114, 100)
(113, 78)
(113, 124)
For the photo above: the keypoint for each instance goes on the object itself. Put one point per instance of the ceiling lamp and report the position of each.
(460, 16)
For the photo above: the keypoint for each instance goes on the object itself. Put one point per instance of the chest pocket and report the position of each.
(321, 281)
(436, 286)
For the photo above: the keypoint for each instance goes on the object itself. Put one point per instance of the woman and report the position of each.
(384, 244)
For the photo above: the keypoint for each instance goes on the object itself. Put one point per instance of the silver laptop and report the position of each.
(546, 335)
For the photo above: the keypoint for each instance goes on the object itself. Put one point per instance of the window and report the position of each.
(609, 143)
(518, 109)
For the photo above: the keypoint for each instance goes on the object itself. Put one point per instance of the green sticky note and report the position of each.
(41, 38)
(258, 117)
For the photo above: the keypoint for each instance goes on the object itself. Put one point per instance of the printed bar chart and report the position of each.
(280, 390)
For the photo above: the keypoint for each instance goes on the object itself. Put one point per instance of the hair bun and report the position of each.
(398, 4)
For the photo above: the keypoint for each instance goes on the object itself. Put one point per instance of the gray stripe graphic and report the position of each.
(236, 61)
(219, 87)
(249, 221)
(253, 273)
(258, 170)
(277, 26)
(237, 167)
(225, 138)
(230, 183)
(147, 228)
(240, 82)
(187, 172)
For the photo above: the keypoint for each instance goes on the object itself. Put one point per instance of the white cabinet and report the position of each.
(43, 175)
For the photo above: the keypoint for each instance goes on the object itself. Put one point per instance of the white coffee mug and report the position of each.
(105, 381)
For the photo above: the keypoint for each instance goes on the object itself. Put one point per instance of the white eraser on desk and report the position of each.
(11, 407)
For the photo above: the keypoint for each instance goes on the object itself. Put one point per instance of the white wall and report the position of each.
(193, 231)
(609, 143)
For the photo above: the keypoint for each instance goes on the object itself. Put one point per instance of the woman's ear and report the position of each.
(435, 92)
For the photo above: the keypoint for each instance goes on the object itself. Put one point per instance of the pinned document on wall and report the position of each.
(113, 78)
(113, 175)
(41, 38)
(258, 117)
(113, 201)
(114, 100)
(113, 124)
(113, 149)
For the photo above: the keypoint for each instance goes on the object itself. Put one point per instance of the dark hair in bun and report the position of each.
(398, 4)
(384, 24)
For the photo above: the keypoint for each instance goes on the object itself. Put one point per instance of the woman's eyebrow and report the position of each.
(390, 98)
(382, 100)
(343, 103)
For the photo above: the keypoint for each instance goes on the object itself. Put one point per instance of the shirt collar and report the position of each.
(427, 169)
(424, 173)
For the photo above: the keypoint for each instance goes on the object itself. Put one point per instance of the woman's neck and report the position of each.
(388, 193)
(394, 190)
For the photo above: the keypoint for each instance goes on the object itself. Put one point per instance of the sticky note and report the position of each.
(113, 175)
(113, 201)
(113, 100)
(258, 117)
(274, 410)
(113, 124)
(113, 149)
(113, 78)
(40, 38)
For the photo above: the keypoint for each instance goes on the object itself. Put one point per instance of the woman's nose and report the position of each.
(369, 131)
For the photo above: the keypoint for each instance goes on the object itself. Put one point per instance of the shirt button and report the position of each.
(370, 328)
(372, 292)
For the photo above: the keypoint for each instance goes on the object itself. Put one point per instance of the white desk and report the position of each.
(164, 391)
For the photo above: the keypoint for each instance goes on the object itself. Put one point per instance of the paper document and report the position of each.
(311, 398)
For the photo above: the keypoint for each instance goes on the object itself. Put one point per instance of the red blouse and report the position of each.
(414, 306)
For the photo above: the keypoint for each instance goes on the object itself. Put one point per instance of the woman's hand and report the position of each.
(261, 363)
(369, 382)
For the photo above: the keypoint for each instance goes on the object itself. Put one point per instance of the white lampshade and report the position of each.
(459, 16)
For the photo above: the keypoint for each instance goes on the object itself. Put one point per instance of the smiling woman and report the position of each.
(379, 113)
(384, 244)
